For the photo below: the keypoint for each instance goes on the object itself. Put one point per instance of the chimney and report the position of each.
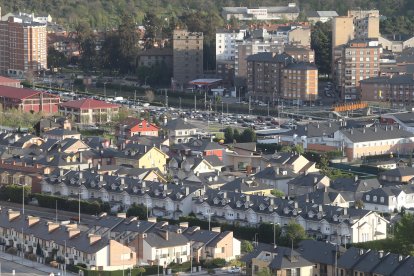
(145, 148)
(315, 179)
(99, 166)
(80, 175)
(121, 215)
(296, 205)
(52, 226)
(381, 253)
(93, 238)
(356, 178)
(164, 234)
(272, 201)
(320, 208)
(247, 198)
(101, 178)
(216, 229)
(122, 181)
(184, 224)
(32, 220)
(152, 219)
(73, 232)
(345, 211)
(187, 191)
(13, 214)
(225, 194)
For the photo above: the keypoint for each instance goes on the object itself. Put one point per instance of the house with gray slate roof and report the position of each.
(163, 200)
(325, 222)
(388, 199)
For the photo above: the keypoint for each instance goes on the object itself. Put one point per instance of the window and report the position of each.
(367, 197)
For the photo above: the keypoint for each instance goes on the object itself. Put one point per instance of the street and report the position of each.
(8, 266)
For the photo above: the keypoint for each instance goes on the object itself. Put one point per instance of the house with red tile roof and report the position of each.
(89, 111)
(28, 100)
(133, 126)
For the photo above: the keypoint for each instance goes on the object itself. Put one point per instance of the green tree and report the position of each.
(264, 272)
(236, 135)
(404, 233)
(248, 135)
(87, 45)
(246, 246)
(321, 43)
(128, 43)
(228, 135)
(55, 59)
(295, 232)
(277, 193)
(110, 52)
(153, 28)
(139, 211)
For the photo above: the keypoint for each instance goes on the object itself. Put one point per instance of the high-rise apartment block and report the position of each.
(300, 82)
(358, 24)
(264, 75)
(226, 43)
(360, 60)
(23, 46)
(187, 56)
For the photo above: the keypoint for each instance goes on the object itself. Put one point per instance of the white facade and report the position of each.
(166, 255)
(226, 43)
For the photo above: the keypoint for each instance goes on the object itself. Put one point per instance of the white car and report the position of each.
(234, 269)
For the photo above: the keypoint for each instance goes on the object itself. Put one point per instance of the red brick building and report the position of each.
(28, 100)
(133, 126)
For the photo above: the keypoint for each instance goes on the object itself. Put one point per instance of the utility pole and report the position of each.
(166, 98)
(195, 102)
(250, 99)
(104, 90)
(135, 97)
(180, 103)
(268, 111)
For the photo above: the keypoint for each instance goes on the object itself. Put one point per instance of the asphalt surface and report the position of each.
(7, 267)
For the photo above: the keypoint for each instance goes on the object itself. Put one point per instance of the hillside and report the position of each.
(105, 13)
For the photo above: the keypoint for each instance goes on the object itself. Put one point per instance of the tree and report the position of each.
(277, 193)
(236, 135)
(321, 42)
(149, 95)
(139, 211)
(140, 270)
(295, 232)
(153, 28)
(264, 272)
(228, 135)
(246, 246)
(248, 135)
(55, 59)
(128, 41)
(110, 57)
(404, 233)
(87, 45)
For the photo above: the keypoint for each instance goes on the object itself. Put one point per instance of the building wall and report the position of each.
(300, 84)
(187, 56)
(300, 37)
(359, 150)
(22, 47)
(153, 158)
(301, 54)
(89, 116)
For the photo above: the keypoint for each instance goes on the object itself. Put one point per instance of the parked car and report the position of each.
(234, 269)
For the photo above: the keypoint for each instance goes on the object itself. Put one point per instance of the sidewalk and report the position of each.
(31, 264)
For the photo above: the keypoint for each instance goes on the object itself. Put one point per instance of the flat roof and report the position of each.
(205, 81)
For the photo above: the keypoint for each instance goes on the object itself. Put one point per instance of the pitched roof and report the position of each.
(271, 57)
(319, 252)
(20, 93)
(179, 124)
(8, 80)
(88, 104)
(377, 133)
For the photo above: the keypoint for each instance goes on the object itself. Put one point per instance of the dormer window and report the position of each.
(382, 199)
(261, 207)
(238, 204)
(367, 197)
(374, 198)
(113, 187)
(216, 200)
(286, 210)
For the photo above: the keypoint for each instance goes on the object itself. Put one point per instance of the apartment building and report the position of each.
(264, 78)
(300, 54)
(89, 111)
(360, 60)
(133, 126)
(290, 12)
(23, 46)
(358, 24)
(187, 57)
(321, 16)
(226, 43)
(398, 90)
(300, 82)
(300, 36)
(249, 48)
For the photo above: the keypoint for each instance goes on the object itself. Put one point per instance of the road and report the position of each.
(7, 267)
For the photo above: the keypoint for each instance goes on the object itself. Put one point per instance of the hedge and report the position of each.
(72, 205)
(149, 270)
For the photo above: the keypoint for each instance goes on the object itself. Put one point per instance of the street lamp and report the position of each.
(23, 185)
(79, 201)
(191, 258)
(158, 262)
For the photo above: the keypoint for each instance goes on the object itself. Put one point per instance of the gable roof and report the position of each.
(376, 133)
(88, 104)
(20, 93)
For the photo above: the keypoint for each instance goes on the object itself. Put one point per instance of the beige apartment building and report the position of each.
(300, 36)
(300, 54)
(360, 60)
(300, 82)
(264, 75)
(358, 24)
(187, 57)
(23, 46)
